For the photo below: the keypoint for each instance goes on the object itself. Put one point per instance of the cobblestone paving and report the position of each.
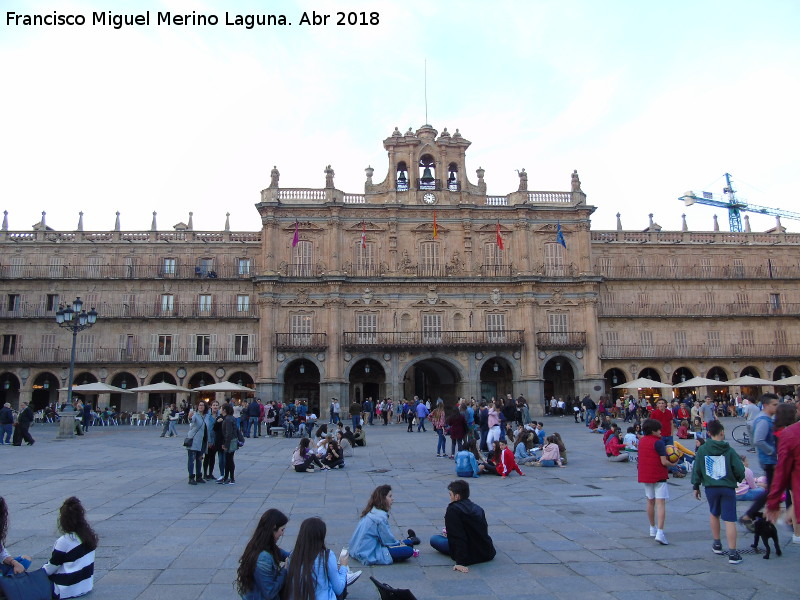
(559, 532)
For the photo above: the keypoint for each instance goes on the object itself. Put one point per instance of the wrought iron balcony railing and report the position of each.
(142, 309)
(359, 340)
(138, 356)
(303, 342)
(159, 271)
(692, 351)
(666, 309)
(562, 340)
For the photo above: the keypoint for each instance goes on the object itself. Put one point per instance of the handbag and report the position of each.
(387, 592)
(187, 442)
(30, 585)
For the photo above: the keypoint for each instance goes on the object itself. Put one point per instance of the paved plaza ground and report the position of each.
(559, 533)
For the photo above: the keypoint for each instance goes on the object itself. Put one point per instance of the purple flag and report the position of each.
(296, 238)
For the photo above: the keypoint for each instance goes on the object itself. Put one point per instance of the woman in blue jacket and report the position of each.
(372, 542)
(260, 575)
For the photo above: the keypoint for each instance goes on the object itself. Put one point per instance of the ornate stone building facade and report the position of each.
(422, 285)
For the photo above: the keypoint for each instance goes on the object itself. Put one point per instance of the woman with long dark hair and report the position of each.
(71, 566)
(373, 542)
(313, 571)
(260, 575)
(230, 443)
(9, 564)
(198, 431)
(303, 459)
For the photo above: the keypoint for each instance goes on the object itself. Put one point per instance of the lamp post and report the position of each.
(76, 319)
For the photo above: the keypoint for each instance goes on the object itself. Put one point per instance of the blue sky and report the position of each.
(647, 100)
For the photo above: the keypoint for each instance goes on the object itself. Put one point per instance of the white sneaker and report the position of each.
(653, 531)
(661, 538)
(796, 539)
(352, 576)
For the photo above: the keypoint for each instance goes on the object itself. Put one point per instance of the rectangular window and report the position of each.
(646, 341)
(205, 303)
(604, 265)
(705, 267)
(243, 266)
(17, 263)
(708, 300)
(553, 260)
(639, 266)
(51, 302)
(367, 327)
(673, 266)
(301, 329)
(747, 338)
(12, 303)
(56, 266)
(738, 267)
(243, 303)
(612, 348)
(202, 345)
(643, 299)
(241, 345)
(680, 342)
(86, 347)
(429, 258)
(130, 344)
(9, 344)
(302, 260)
(94, 266)
(364, 258)
(496, 327)
(676, 299)
(775, 302)
(713, 340)
(167, 303)
(431, 329)
(742, 299)
(492, 255)
(168, 267)
(130, 267)
(165, 345)
(205, 266)
(781, 339)
(128, 304)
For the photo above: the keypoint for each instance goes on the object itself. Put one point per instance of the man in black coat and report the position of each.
(24, 421)
(466, 537)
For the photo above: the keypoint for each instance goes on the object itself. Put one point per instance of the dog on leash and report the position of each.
(765, 531)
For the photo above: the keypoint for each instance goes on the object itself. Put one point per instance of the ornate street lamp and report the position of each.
(76, 319)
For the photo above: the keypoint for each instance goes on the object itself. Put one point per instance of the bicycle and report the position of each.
(740, 434)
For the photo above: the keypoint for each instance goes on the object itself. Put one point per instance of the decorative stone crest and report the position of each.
(495, 296)
(432, 296)
(366, 297)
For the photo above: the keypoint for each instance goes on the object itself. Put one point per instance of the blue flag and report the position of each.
(560, 236)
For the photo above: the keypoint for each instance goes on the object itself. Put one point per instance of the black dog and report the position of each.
(765, 531)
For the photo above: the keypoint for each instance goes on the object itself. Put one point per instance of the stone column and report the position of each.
(66, 424)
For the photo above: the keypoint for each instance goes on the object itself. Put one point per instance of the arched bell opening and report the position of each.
(427, 173)
(401, 175)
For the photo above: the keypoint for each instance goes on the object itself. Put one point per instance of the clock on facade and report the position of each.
(429, 198)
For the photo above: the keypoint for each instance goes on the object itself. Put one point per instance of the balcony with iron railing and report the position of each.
(687, 310)
(497, 270)
(399, 340)
(693, 351)
(727, 272)
(301, 342)
(141, 310)
(138, 356)
(560, 340)
(159, 271)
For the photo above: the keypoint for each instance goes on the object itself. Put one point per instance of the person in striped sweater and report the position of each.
(71, 566)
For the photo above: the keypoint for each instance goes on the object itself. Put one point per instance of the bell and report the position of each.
(426, 174)
(452, 177)
(402, 177)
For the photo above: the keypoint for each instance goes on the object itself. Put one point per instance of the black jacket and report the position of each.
(6, 416)
(468, 533)
(26, 416)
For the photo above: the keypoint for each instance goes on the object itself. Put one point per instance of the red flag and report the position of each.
(363, 235)
(499, 238)
(435, 229)
(296, 238)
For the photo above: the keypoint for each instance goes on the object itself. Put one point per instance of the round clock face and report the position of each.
(429, 198)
